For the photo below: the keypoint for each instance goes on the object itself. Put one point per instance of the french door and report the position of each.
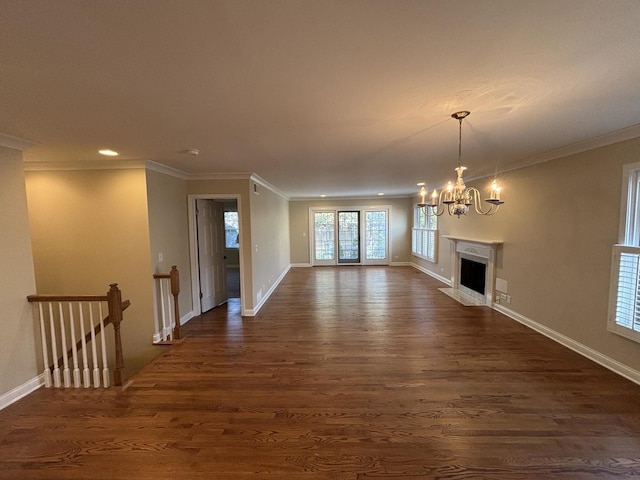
(355, 236)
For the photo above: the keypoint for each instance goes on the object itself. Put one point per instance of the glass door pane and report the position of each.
(324, 236)
(349, 237)
(375, 228)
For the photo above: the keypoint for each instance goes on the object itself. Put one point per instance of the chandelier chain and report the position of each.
(460, 142)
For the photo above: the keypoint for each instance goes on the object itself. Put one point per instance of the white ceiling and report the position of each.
(336, 97)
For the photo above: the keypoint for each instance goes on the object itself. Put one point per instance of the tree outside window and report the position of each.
(231, 229)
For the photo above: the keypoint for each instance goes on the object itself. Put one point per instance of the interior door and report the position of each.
(210, 220)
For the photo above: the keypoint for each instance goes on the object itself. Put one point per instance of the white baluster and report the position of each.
(45, 350)
(66, 373)
(156, 316)
(96, 370)
(85, 362)
(171, 320)
(74, 347)
(105, 366)
(54, 349)
(163, 315)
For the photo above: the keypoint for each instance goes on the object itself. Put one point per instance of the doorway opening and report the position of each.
(216, 246)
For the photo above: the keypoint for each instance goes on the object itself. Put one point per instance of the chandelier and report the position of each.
(457, 198)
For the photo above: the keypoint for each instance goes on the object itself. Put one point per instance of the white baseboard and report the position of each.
(299, 265)
(158, 336)
(21, 391)
(607, 362)
(444, 280)
(186, 317)
(254, 311)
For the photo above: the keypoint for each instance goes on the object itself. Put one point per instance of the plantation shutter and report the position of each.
(627, 298)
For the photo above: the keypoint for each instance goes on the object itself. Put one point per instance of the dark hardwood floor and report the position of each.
(346, 373)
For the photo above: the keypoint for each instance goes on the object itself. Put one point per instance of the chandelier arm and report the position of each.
(476, 204)
(438, 209)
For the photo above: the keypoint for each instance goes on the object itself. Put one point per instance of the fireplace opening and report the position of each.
(473, 275)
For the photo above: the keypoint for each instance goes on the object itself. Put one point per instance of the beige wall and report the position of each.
(264, 223)
(270, 240)
(234, 187)
(400, 226)
(559, 224)
(18, 362)
(169, 230)
(90, 229)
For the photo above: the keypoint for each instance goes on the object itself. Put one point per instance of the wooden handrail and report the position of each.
(67, 298)
(174, 276)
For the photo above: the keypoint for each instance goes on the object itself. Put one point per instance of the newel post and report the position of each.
(114, 302)
(175, 291)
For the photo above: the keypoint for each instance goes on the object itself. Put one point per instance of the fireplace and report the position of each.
(472, 270)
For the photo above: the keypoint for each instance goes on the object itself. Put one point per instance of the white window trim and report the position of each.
(629, 242)
(416, 239)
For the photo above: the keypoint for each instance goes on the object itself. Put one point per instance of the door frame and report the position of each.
(362, 209)
(193, 246)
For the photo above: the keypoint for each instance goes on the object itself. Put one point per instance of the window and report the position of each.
(624, 300)
(375, 226)
(324, 235)
(231, 229)
(349, 235)
(425, 234)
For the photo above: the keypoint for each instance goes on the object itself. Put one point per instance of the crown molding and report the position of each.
(84, 165)
(261, 181)
(164, 169)
(604, 140)
(219, 176)
(15, 143)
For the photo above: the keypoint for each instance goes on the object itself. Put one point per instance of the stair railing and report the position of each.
(167, 285)
(79, 321)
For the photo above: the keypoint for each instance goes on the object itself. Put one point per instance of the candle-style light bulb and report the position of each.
(434, 197)
(449, 195)
(495, 191)
(423, 195)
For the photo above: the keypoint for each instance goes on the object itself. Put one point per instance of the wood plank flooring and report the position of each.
(346, 373)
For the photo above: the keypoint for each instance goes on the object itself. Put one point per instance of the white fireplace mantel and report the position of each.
(478, 248)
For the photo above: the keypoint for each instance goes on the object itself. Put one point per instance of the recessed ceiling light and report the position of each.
(322, 196)
(381, 194)
(421, 184)
(108, 152)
